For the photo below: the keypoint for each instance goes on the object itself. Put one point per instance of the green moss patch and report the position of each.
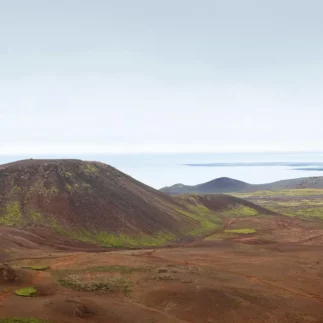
(39, 268)
(89, 168)
(26, 292)
(241, 231)
(12, 214)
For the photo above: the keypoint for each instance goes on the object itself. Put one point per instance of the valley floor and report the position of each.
(212, 280)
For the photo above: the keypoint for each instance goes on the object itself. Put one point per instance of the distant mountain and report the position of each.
(229, 185)
(216, 186)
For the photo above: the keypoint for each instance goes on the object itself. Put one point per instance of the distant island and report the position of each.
(317, 169)
(253, 164)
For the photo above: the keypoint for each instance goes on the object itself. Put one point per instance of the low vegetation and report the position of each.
(116, 269)
(95, 284)
(241, 231)
(38, 268)
(89, 168)
(121, 269)
(302, 203)
(85, 279)
(291, 192)
(238, 211)
(26, 292)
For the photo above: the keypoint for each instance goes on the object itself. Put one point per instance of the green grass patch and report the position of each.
(38, 268)
(239, 211)
(26, 292)
(21, 320)
(241, 231)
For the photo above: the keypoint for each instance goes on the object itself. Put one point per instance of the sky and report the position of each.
(79, 76)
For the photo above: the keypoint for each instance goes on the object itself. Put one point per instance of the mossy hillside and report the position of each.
(106, 239)
(209, 220)
(11, 215)
(39, 188)
(205, 219)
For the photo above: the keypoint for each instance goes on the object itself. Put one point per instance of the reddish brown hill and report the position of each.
(85, 195)
(96, 204)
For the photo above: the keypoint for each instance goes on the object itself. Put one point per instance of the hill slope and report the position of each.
(75, 196)
(229, 185)
(94, 203)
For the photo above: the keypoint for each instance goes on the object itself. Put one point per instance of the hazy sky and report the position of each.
(82, 76)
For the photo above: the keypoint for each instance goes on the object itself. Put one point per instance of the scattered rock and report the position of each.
(165, 277)
(82, 311)
(7, 274)
(162, 270)
(186, 281)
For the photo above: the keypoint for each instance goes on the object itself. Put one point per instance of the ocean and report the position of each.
(159, 170)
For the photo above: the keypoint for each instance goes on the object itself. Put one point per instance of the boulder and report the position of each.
(7, 274)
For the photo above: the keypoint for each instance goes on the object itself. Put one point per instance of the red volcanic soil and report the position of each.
(212, 281)
(272, 275)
